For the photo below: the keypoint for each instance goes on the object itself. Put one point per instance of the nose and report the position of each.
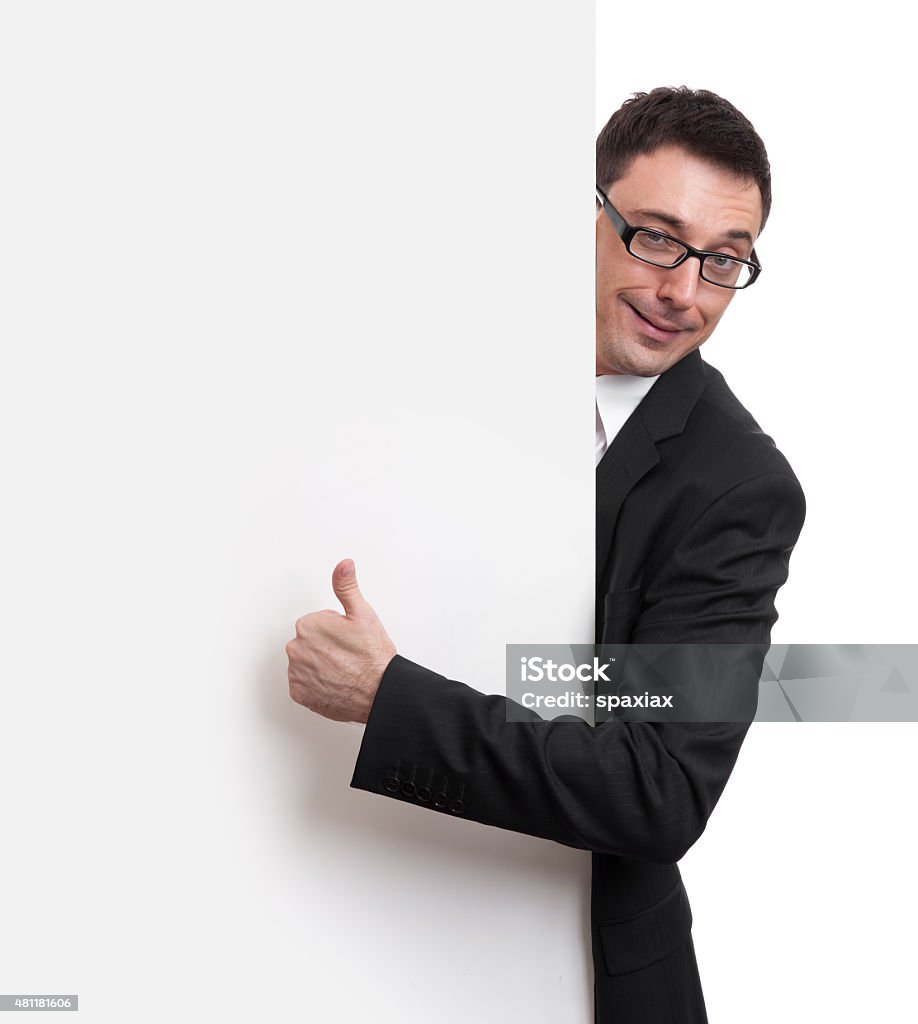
(679, 285)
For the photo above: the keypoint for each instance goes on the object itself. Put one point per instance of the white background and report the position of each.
(282, 286)
(802, 885)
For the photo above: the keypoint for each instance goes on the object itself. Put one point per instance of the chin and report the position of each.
(642, 357)
(639, 361)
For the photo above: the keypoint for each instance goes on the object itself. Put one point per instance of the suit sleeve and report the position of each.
(635, 789)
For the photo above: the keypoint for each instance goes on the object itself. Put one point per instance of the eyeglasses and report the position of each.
(662, 250)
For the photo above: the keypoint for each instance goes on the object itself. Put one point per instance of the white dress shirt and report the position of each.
(617, 396)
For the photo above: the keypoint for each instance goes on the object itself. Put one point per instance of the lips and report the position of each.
(660, 325)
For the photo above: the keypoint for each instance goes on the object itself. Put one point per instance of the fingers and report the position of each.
(316, 623)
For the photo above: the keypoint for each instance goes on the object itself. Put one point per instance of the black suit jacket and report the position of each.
(697, 513)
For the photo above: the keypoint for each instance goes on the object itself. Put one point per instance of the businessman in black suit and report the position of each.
(697, 514)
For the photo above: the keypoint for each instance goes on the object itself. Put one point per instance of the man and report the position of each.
(697, 513)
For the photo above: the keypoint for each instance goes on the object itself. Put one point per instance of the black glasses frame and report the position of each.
(627, 232)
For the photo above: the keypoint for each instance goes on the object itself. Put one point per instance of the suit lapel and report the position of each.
(662, 413)
(630, 456)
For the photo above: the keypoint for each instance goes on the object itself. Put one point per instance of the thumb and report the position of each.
(344, 583)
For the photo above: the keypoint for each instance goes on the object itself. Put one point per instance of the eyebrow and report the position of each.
(679, 225)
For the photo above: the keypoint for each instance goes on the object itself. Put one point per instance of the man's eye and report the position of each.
(656, 247)
(723, 268)
(657, 240)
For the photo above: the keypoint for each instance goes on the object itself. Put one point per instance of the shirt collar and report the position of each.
(617, 396)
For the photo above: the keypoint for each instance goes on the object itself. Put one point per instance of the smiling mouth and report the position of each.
(662, 327)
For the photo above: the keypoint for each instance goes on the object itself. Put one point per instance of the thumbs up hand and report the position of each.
(337, 661)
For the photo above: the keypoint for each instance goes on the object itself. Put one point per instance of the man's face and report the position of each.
(648, 318)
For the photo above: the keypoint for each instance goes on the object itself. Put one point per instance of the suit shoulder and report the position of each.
(728, 438)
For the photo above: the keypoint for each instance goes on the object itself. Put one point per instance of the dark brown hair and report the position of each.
(705, 124)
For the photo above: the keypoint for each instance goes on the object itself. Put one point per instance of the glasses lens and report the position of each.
(656, 248)
(726, 272)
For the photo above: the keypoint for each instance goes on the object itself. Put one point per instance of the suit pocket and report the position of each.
(637, 942)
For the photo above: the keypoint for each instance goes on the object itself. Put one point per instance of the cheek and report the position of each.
(605, 271)
(713, 310)
(617, 271)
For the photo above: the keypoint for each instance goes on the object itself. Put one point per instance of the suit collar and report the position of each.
(662, 413)
(670, 401)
